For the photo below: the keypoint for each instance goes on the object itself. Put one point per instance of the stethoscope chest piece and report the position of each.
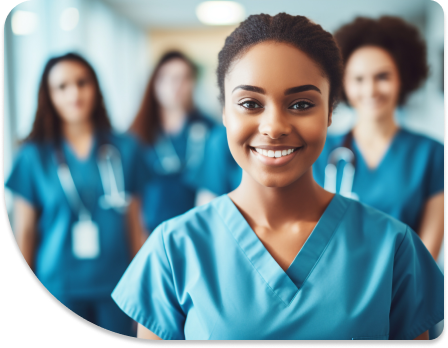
(112, 177)
(346, 155)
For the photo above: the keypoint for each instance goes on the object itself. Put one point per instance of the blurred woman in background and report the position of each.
(396, 171)
(76, 211)
(175, 134)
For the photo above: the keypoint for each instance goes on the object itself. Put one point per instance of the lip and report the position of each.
(272, 161)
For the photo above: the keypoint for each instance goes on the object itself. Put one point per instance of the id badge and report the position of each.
(85, 239)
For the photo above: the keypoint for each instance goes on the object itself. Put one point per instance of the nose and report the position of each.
(274, 124)
(370, 88)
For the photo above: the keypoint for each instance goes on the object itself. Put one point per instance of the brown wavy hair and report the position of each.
(147, 123)
(47, 122)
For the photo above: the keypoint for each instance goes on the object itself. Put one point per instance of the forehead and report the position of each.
(67, 70)
(369, 59)
(273, 65)
(175, 66)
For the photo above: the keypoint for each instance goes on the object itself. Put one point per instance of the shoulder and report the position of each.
(125, 141)
(419, 140)
(198, 116)
(197, 224)
(373, 224)
(31, 151)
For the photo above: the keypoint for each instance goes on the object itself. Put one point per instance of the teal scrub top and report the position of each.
(34, 178)
(410, 173)
(360, 275)
(167, 195)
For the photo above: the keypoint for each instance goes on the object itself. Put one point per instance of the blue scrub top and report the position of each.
(34, 178)
(410, 173)
(169, 195)
(360, 275)
(220, 173)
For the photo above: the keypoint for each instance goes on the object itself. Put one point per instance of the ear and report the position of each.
(224, 117)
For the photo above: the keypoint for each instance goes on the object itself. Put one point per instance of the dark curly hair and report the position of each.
(402, 40)
(47, 123)
(298, 31)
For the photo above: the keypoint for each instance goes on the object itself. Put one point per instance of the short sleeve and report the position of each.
(436, 179)
(22, 177)
(147, 294)
(417, 290)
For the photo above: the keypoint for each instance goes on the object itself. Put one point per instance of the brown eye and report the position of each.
(302, 105)
(250, 105)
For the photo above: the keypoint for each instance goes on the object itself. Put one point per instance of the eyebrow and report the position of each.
(287, 92)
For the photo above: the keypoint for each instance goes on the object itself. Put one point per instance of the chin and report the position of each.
(274, 180)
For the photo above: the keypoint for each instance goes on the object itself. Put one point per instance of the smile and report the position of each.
(276, 153)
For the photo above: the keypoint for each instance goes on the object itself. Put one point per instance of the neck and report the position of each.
(375, 128)
(173, 119)
(303, 200)
(76, 131)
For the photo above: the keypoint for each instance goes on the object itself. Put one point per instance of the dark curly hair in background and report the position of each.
(298, 31)
(400, 39)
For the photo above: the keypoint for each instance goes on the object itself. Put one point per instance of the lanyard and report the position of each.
(112, 179)
(168, 157)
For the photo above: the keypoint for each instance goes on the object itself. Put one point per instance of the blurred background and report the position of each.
(124, 38)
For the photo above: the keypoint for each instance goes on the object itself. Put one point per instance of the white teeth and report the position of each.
(276, 154)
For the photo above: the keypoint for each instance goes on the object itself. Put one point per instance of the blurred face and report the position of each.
(372, 82)
(174, 85)
(276, 113)
(72, 91)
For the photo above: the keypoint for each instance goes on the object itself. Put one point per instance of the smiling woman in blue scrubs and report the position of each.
(396, 171)
(280, 257)
(76, 212)
(175, 134)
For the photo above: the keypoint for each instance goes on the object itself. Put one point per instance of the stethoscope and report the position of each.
(345, 154)
(111, 174)
(169, 160)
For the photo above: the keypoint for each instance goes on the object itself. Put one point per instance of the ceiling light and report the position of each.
(220, 12)
(69, 19)
(24, 22)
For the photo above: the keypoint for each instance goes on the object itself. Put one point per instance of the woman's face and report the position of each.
(72, 91)
(276, 101)
(174, 85)
(372, 82)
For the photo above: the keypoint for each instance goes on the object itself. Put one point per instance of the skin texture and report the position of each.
(282, 203)
(372, 85)
(174, 91)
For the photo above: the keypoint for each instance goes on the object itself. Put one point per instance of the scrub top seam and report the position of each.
(171, 268)
(326, 246)
(247, 257)
(401, 243)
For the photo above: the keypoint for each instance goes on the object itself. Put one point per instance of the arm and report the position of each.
(25, 218)
(423, 336)
(143, 332)
(137, 233)
(431, 225)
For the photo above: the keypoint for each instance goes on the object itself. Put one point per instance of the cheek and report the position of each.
(352, 91)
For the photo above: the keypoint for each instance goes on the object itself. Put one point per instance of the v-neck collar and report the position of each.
(386, 154)
(70, 152)
(284, 284)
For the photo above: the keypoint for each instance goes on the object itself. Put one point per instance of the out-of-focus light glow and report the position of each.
(220, 12)
(24, 22)
(69, 19)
